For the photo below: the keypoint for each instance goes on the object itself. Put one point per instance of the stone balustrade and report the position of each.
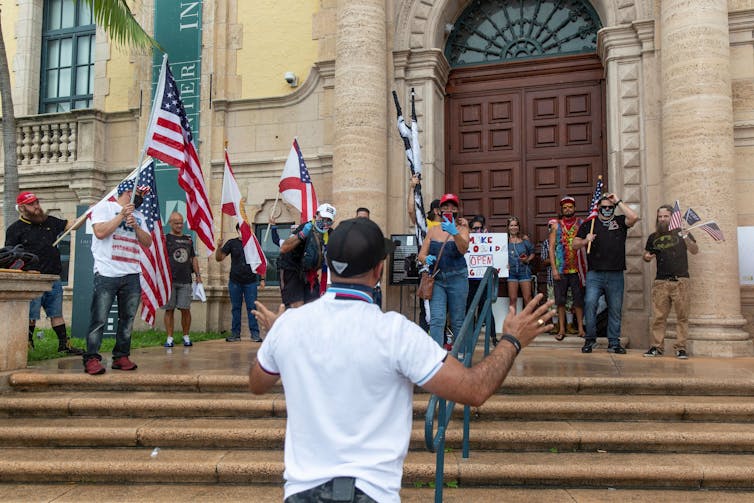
(46, 140)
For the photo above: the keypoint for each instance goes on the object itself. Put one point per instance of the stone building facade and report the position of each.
(677, 111)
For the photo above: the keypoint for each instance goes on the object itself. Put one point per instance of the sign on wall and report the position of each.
(403, 267)
(487, 249)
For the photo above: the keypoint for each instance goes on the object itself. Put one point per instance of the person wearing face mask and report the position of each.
(607, 261)
(478, 226)
(300, 270)
(451, 282)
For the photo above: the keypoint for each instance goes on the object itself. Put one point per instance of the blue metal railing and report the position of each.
(464, 344)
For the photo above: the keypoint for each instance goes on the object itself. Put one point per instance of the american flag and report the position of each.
(156, 281)
(169, 139)
(413, 156)
(296, 185)
(675, 217)
(713, 230)
(595, 200)
(232, 205)
(691, 217)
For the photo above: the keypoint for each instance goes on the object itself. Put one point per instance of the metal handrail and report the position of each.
(466, 341)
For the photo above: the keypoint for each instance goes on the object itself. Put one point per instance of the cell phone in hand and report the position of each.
(447, 215)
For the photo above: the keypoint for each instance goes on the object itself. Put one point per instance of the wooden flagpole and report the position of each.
(591, 228)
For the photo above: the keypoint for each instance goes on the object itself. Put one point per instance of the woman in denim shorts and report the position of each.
(520, 254)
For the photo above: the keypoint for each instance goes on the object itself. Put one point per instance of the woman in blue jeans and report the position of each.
(520, 254)
(451, 282)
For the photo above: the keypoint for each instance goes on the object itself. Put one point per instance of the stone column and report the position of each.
(698, 170)
(361, 99)
(16, 290)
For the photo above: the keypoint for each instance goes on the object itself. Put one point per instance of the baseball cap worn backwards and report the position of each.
(26, 198)
(125, 186)
(356, 246)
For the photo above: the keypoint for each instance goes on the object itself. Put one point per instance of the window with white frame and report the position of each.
(67, 76)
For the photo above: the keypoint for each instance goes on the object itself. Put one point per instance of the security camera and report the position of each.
(291, 78)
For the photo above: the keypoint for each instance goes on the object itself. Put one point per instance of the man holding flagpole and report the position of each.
(248, 264)
(607, 261)
(119, 231)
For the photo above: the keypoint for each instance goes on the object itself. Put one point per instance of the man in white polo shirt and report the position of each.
(348, 370)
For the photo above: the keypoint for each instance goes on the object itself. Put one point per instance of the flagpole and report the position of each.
(591, 228)
(152, 117)
(272, 212)
(77, 222)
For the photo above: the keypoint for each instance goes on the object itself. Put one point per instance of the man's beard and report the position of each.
(35, 218)
(663, 226)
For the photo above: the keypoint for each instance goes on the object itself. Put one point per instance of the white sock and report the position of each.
(186, 338)
(170, 339)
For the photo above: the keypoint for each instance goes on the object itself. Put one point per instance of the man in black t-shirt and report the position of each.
(183, 263)
(242, 287)
(671, 284)
(607, 261)
(36, 231)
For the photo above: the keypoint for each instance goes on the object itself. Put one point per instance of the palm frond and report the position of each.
(118, 21)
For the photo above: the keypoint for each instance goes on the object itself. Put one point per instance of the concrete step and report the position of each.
(34, 381)
(571, 470)
(542, 407)
(170, 493)
(269, 433)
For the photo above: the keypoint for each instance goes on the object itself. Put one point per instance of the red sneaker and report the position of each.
(93, 367)
(123, 363)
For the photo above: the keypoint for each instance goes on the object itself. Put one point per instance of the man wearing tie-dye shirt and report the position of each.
(568, 265)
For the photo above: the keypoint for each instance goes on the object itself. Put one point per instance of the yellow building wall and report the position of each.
(8, 20)
(121, 75)
(277, 38)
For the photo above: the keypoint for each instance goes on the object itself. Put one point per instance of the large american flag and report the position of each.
(169, 139)
(594, 210)
(675, 217)
(296, 185)
(156, 281)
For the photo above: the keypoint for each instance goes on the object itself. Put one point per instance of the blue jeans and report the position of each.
(609, 283)
(238, 293)
(52, 301)
(449, 295)
(128, 292)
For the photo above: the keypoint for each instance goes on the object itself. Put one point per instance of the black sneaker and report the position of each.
(70, 350)
(681, 354)
(618, 350)
(256, 338)
(233, 338)
(653, 351)
(588, 345)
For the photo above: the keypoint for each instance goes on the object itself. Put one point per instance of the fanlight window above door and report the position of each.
(494, 31)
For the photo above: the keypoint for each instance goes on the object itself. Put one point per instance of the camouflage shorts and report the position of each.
(323, 493)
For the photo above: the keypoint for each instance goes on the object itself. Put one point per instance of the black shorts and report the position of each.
(293, 288)
(562, 285)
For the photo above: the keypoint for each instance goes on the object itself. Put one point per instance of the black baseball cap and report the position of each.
(356, 246)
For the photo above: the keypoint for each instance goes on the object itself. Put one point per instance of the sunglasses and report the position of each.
(608, 207)
(476, 228)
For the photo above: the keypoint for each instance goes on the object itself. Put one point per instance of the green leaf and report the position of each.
(120, 24)
(554, 450)
(452, 483)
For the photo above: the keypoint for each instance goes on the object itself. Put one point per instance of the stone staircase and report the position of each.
(137, 437)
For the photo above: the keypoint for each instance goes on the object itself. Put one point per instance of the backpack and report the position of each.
(312, 257)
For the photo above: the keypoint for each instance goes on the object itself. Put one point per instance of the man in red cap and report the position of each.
(36, 231)
(568, 265)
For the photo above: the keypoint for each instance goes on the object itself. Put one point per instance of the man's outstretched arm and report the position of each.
(473, 386)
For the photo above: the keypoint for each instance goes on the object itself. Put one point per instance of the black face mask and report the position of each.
(138, 200)
(606, 212)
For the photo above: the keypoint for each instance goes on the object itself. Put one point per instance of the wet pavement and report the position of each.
(219, 357)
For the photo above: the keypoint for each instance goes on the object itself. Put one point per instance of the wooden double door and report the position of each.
(522, 135)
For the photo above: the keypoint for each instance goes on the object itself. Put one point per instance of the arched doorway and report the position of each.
(524, 110)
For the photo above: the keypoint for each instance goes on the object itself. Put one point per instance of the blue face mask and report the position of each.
(322, 225)
(607, 212)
